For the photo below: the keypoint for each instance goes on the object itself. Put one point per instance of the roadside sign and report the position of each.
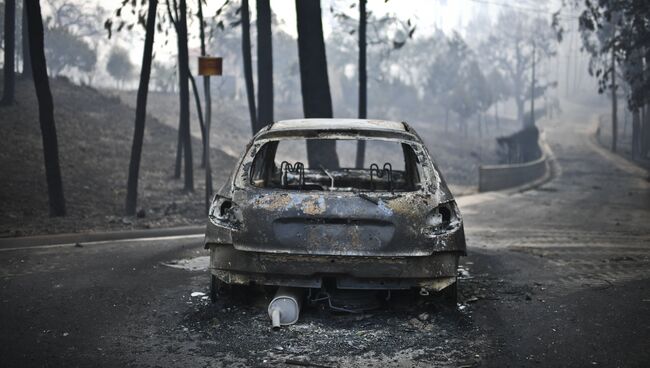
(210, 65)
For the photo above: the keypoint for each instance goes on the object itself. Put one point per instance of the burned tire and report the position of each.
(220, 288)
(215, 286)
(450, 295)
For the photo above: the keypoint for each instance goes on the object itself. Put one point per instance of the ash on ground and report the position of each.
(407, 328)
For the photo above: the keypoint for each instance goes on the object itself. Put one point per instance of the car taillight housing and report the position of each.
(442, 219)
(225, 213)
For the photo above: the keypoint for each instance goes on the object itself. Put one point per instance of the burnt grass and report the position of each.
(95, 134)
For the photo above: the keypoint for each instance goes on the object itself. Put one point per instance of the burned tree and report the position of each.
(45, 109)
(363, 80)
(183, 77)
(248, 63)
(264, 64)
(614, 103)
(178, 17)
(199, 112)
(27, 60)
(316, 98)
(207, 116)
(8, 91)
(141, 111)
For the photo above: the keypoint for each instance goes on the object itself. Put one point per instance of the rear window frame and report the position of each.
(429, 177)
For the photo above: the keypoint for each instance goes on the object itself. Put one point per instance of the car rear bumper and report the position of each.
(434, 272)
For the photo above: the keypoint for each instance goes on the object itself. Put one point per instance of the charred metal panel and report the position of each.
(217, 235)
(326, 223)
(236, 266)
(362, 238)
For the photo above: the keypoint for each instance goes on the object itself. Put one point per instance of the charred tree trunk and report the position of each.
(640, 132)
(179, 141)
(183, 68)
(645, 140)
(636, 127)
(363, 81)
(184, 144)
(141, 111)
(264, 64)
(9, 90)
(614, 107)
(248, 63)
(196, 93)
(207, 116)
(45, 110)
(626, 120)
(314, 83)
(179, 153)
(27, 60)
(199, 112)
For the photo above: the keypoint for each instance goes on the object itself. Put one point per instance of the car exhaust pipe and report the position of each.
(284, 309)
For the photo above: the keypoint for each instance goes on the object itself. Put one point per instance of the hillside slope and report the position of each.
(95, 134)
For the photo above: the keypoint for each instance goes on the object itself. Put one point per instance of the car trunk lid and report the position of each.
(333, 223)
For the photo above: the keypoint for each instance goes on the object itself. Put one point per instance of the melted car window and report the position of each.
(286, 164)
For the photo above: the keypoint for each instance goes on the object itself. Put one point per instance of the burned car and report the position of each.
(287, 219)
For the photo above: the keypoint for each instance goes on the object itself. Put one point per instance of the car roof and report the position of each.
(338, 124)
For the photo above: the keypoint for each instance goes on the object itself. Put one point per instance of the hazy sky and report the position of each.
(425, 13)
(428, 15)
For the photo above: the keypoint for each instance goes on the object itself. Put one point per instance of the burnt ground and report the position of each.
(95, 133)
(556, 276)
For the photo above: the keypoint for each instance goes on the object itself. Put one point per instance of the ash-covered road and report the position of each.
(556, 276)
(580, 248)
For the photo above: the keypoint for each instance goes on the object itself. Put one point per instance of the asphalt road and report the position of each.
(556, 276)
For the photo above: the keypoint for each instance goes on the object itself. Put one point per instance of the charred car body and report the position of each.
(286, 220)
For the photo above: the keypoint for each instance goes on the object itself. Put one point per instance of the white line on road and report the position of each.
(172, 237)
